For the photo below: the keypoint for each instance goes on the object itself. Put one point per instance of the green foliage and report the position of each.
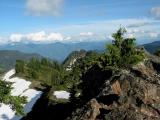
(16, 102)
(44, 71)
(55, 78)
(19, 66)
(123, 51)
(157, 52)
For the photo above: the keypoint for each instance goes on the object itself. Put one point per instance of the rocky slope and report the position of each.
(72, 58)
(132, 94)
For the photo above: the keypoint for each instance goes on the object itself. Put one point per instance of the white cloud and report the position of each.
(92, 31)
(153, 35)
(44, 7)
(130, 35)
(68, 38)
(3, 40)
(86, 37)
(86, 34)
(43, 37)
(55, 36)
(143, 33)
(110, 37)
(108, 26)
(155, 11)
(37, 37)
(16, 37)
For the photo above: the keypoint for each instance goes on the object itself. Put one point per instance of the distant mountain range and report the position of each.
(152, 47)
(8, 58)
(57, 51)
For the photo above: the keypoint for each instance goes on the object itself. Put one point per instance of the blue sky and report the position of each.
(77, 20)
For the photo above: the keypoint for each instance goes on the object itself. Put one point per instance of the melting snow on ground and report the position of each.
(20, 87)
(62, 94)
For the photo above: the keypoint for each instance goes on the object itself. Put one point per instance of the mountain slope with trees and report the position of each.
(43, 71)
(8, 58)
(152, 47)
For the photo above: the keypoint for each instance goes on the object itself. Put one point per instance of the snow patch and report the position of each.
(20, 87)
(6, 113)
(62, 94)
(9, 74)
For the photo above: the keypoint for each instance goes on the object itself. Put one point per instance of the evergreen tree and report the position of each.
(44, 61)
(55, 78)
(123, 51)
(19, 66)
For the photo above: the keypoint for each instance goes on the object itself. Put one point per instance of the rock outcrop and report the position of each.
(132, 94)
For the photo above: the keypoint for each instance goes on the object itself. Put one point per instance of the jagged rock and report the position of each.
(90, 111)
(128, 95)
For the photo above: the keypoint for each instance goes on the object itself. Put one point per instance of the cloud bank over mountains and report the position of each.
(36, 37)
(93, 31)
(43, 37)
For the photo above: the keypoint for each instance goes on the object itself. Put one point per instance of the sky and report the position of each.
(47, 21)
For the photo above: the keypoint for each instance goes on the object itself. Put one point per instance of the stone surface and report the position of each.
(127, 95)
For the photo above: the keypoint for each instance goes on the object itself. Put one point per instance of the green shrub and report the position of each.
(123, 51)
